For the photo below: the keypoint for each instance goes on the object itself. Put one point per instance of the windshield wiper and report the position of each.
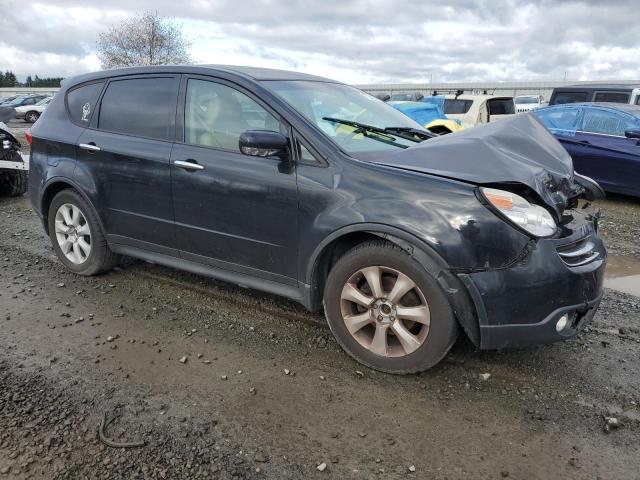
(379, 134)
(407, 133)
(417, 135)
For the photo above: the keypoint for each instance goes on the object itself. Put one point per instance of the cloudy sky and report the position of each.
(358, 41)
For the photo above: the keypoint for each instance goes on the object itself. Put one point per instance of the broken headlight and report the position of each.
(532, 218)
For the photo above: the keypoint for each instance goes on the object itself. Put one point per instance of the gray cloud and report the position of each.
(455, 40)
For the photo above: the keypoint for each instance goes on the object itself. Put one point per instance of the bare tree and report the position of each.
(147, 39)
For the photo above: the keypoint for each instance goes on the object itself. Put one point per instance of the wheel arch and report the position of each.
(338, 242)
(55, 186)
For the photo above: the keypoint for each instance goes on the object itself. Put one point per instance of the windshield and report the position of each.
(44, 101)
(526, 100)
(318, 101)
(401, 97)
(15, 101)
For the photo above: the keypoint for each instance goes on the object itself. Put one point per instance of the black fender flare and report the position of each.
(71, 184)
(453, 287)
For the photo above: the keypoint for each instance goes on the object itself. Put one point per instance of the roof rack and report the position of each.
(460, 91)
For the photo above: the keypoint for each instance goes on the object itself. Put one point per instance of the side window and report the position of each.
(305, 155)
(143, 107)
(606, 122)
(216, 115)
(612, 97)
(455, 106)
(569, 97)
(563, 119)
(81, 102)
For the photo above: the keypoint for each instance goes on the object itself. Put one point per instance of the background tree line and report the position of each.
(146, 39)
(8, 79)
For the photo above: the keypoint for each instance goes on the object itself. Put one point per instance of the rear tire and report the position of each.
(74, 226)
(417, 323)
(31, 117)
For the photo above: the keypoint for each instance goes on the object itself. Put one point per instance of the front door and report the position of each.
(231, 210)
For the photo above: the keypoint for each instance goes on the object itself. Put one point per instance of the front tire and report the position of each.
(76, 235)
(387, 311)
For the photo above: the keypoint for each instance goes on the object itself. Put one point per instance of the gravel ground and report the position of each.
(221, 382)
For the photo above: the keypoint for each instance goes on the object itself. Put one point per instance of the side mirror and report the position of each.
(264, 143)
(635, 133)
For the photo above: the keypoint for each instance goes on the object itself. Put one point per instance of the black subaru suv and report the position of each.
(311, 189)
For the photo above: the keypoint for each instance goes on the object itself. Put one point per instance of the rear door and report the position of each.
(126, 153)
(232, 211)
(608, 156)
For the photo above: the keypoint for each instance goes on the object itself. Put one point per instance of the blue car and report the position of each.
(429, 114)
(602, 138)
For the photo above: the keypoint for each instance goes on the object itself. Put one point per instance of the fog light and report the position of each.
(562, 323)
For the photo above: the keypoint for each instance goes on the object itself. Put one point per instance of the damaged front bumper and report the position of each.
(550, 295)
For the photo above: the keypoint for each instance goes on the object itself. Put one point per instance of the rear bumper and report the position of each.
(521, 306)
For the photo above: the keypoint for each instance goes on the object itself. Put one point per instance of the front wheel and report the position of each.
(387, 311)
(76, 235)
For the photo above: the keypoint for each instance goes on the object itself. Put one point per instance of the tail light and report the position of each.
(29, 137)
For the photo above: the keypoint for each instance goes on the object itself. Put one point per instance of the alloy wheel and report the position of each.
(73, 233)
(385, 311)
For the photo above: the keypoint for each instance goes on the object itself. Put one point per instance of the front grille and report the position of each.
(578, 253)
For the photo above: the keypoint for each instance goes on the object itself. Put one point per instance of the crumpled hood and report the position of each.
(515, 150)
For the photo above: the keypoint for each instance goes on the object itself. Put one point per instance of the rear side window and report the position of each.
(613, 97)
(143, 107)
(569, 97)
(81, 102)
(456, 106)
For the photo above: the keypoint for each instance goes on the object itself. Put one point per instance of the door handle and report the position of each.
(584, 142)
(188, 164)
(92, 147)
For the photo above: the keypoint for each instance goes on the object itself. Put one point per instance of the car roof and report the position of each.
(253, 73)
(599, 86)
(475, 97)
(623, 107)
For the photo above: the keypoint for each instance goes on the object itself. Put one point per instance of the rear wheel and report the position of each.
(386, 311)
(32, 116)
(76, 235)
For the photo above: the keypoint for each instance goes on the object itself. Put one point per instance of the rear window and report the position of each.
(569, 97)
(143, 107)
(81, 102)
(501, 106)
(613, 97)
(456, 106)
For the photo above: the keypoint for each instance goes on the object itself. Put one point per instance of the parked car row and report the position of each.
(26, 107)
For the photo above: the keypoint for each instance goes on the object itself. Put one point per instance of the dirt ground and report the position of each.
(264, 391)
